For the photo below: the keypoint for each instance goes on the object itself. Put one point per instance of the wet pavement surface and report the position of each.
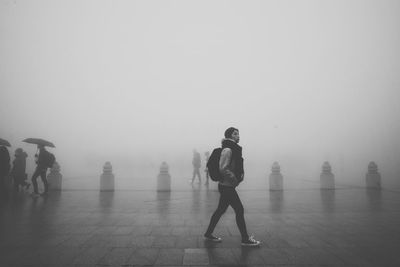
(304, 227)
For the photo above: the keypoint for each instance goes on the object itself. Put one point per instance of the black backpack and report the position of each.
(49, 159)
(213, 165)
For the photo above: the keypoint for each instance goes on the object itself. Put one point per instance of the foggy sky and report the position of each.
(146, 81)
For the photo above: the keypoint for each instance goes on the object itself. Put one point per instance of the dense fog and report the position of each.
(137, 83)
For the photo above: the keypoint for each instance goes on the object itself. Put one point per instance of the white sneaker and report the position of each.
(250, 242)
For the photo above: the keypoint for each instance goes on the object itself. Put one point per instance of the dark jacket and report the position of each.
(4, 161)
(19, 166)
(231, 163)
(41, 159)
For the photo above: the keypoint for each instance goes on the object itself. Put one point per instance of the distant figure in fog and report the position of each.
(41, 170)
(18, 170)
(4, 170)
(232, 173)
(196, 165)
(206, 157)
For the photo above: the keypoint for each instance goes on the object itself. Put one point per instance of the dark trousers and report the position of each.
(3, 187)
(229, 196)
(42, 173)
(18, 183)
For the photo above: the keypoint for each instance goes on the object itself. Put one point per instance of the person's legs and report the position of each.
(44, 180)
(239, 211)
(198, 174)
(236, 204)
(34, 181)
(222, 206)
(24, 182)
(16, 184)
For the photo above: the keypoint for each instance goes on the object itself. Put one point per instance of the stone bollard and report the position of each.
(275, 178)
(327, 177)
(107, 178)
(55, 178)
(373, 177)
(164, 179)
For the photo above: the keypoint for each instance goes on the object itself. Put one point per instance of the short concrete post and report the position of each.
(164, 179)
(275, 178)
(373, 177)
(107, 178)
(327, 177)
(54, 178)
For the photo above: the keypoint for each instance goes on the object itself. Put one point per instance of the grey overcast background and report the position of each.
(140, 82)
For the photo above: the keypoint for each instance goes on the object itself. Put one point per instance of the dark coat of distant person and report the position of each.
(4, 161)
(19, 165)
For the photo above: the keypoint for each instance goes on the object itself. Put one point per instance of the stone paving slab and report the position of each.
(305, 227)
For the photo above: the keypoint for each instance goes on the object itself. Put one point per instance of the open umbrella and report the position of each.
(38, 141)
(4, 142)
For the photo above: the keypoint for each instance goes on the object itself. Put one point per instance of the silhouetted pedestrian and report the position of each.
(196, 165)
(206, 157)
(18, 170)
(41, 170)
(232, 173)
(4, 171)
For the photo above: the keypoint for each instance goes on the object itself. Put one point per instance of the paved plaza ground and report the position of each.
(299, 227)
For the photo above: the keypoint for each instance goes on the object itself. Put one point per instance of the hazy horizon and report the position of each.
(138, 82)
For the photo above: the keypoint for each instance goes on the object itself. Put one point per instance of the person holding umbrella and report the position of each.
(44, 160)
(41, 170)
